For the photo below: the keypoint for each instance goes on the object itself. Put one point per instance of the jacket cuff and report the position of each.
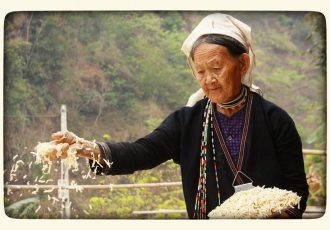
(104, 168)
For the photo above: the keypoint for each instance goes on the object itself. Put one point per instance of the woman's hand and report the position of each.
(86, 149)
(282, 215)
(66, 144)
(65, 137)
(50, 151)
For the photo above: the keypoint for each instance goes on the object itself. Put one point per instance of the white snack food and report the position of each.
(255, 203)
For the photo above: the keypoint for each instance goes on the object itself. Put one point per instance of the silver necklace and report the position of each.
(240, 99)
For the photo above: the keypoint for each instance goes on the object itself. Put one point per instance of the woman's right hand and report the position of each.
(58, 148)
(50, 151)
(65, 137)
(85, 148)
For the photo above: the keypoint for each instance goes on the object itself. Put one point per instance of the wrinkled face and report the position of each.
(217, 72)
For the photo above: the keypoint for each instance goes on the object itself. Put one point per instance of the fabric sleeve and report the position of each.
(289, 151)
(145, 153)
(105, 152)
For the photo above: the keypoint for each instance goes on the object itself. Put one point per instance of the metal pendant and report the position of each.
(242, 187)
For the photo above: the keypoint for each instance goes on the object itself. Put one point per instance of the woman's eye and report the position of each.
(216, 69)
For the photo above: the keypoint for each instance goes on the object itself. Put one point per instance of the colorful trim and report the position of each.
(229, 159)
(209, 115)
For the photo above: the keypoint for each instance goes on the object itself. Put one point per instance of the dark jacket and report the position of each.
(273, 153)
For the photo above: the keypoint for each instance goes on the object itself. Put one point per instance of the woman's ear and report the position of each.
(245, 63)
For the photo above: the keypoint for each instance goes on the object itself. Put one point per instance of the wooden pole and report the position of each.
(314, 152)
(63, 192)
(97, 186)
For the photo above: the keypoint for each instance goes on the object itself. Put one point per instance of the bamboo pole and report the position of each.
(119, 186)
(63, 192)
(314, 152)
(104, 186)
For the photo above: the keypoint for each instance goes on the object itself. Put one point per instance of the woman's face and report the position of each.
(217, 72)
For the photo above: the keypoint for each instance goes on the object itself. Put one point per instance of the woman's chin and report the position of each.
(215, 98)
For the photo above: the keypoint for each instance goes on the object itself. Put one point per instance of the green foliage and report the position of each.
(286, 21)
(317, 137)
(37, 170)
(316, 178)
(6, 201)
(173, 203)
(23, 209)
(26, 212)
(153, 123)
(285, 78)
(106, 137)
(98, 207)
(318, 37)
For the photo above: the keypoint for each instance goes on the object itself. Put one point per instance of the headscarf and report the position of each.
(224, 25)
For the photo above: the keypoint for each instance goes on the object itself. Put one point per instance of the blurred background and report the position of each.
(119, 75)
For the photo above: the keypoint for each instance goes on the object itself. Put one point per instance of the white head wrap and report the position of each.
(225, 25)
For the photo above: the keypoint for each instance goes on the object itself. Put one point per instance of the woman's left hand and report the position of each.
(283, 215)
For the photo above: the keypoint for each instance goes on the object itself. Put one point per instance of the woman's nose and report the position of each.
(209, 78)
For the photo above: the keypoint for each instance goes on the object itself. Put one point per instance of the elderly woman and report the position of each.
(227, 128)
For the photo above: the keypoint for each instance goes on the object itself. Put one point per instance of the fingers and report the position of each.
(59, 147)
(64, 137)
(52, 154)
(50, 151)
(57, 136)
(65, 147)
(64, 150)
